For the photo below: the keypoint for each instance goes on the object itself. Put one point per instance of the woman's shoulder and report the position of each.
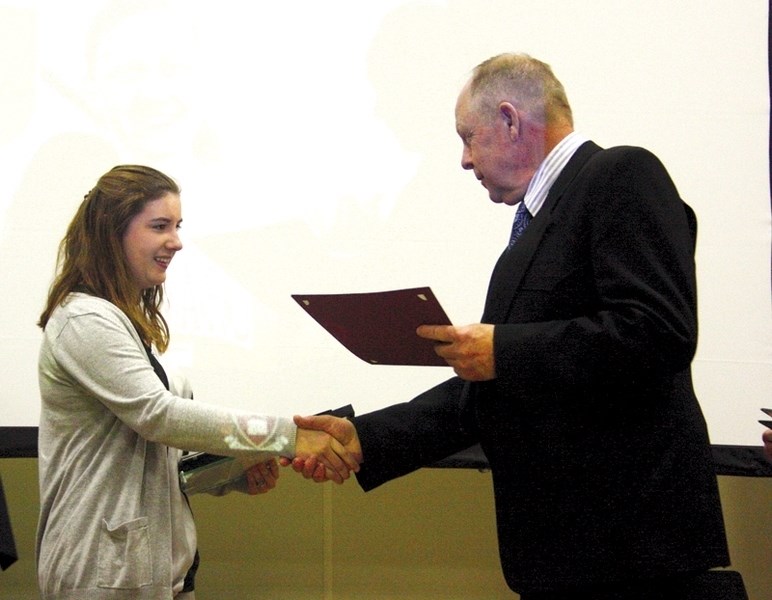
(79, 304)
(88, 317)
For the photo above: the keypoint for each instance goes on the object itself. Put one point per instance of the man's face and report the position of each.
(494, 150)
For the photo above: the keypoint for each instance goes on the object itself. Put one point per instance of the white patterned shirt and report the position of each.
(549, 169)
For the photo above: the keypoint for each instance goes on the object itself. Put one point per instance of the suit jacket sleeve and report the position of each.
(401, 438)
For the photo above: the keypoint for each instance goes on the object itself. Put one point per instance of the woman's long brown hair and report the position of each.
(91, 257)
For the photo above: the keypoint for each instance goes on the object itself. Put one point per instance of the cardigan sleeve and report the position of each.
(98, 349)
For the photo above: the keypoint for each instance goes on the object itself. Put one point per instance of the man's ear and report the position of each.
(511, 119)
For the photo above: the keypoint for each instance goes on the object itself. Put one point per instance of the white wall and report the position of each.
(316, 149)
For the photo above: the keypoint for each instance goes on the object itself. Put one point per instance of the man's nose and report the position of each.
(466, 159)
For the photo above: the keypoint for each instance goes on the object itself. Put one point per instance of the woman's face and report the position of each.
(152, 239)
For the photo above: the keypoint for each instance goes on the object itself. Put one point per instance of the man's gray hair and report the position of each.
(522, 80)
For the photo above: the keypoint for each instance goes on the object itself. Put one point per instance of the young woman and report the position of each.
(114, 522)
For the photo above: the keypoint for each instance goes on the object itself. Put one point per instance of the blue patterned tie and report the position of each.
(522, 218)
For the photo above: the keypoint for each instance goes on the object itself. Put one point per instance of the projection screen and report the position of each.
(316, 149)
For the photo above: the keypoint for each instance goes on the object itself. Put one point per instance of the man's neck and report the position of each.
(553, 135)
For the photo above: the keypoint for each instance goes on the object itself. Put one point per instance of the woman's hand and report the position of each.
(261, 478)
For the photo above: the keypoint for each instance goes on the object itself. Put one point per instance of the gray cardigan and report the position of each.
(113, 521)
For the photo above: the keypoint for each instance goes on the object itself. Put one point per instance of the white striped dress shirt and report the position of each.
(549, 170)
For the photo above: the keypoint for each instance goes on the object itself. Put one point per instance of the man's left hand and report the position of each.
(468, 349)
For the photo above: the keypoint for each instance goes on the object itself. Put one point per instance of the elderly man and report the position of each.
(577, 381)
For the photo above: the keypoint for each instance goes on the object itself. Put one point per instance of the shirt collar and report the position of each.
(549, 169)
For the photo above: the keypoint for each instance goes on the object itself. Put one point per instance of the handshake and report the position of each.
(326, 449)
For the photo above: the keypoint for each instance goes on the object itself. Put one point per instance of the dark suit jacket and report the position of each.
(598, 449)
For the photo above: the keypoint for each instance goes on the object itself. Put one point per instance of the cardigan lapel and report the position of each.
(513, 262)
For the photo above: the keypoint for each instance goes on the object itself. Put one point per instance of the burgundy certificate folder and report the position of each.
(379, 327)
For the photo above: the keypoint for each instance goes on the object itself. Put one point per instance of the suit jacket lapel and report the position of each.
(514, 262)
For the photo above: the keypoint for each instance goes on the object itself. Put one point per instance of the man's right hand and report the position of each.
(342, 441)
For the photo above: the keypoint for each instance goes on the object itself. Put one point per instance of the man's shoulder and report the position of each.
(622, 159)
(621, 152)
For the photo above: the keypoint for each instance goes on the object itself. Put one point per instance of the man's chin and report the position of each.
(508, 200)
